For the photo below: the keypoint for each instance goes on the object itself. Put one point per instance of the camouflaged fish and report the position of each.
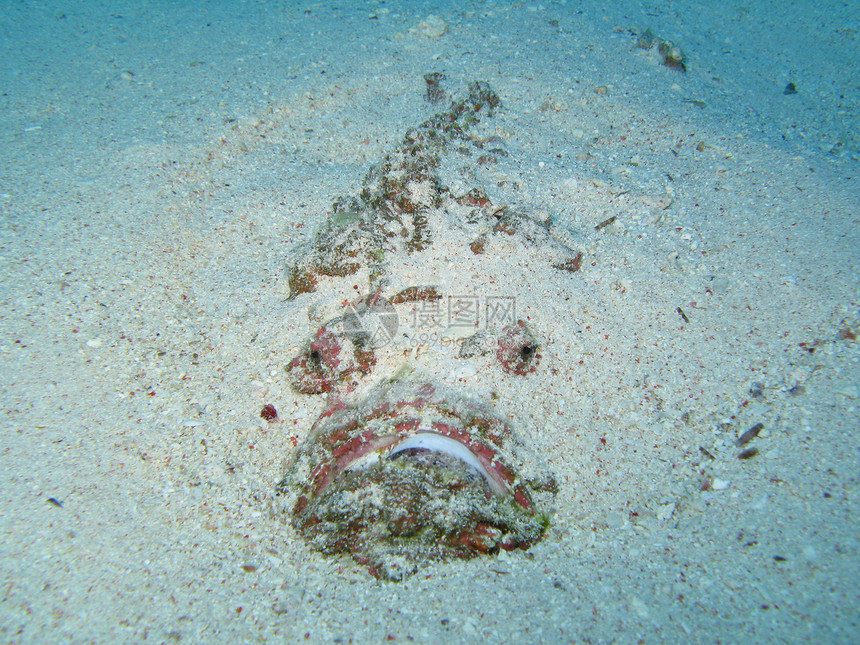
(403, 469)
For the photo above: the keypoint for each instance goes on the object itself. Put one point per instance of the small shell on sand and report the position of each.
(432, 26)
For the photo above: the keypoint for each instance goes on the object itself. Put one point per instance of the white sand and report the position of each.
(160, 167)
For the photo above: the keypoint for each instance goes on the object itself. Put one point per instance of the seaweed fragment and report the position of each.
(672, 56)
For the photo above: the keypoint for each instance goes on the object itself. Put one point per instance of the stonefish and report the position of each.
(408, 464)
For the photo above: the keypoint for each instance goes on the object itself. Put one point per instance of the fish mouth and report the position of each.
(411, 475)
(439, 451)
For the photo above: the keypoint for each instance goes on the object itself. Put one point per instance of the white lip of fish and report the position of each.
(435, 442)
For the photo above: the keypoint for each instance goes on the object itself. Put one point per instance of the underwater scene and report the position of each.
(441, 323)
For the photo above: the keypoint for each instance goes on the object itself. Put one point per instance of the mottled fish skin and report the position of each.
(398, 513)
(404, 201)
(350, 489)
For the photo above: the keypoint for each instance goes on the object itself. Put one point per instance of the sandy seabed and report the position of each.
(162, 168)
